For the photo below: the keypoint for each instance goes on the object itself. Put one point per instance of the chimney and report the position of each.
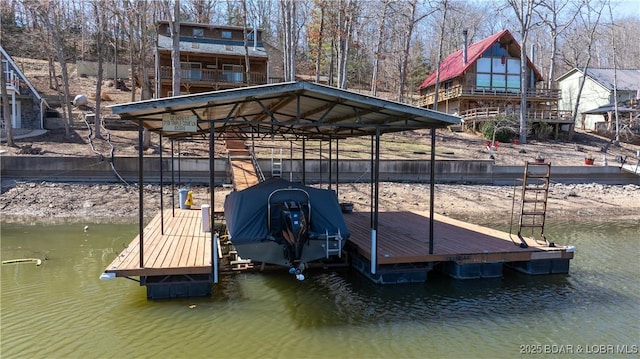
(464, 47)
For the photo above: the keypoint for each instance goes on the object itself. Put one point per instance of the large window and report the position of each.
(498, 71)
(233, 73)
(191, 71)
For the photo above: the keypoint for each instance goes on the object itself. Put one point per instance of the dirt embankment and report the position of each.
(61, 202)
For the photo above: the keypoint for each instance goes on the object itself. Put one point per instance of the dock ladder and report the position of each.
(276, 164)
(534, 193)
(333, 239)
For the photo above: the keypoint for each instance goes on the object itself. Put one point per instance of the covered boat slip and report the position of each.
(306, 111)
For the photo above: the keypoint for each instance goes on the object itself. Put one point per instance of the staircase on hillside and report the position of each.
(245, 171)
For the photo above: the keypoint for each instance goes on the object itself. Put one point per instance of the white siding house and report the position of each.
(597, 91)
(26, 105)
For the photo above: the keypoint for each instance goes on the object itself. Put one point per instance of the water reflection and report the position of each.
(337, 313)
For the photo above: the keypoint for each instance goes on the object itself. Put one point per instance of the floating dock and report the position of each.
(177, 263)
(462, 250)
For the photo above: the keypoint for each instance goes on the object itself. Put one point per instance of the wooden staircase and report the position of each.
(244, 171)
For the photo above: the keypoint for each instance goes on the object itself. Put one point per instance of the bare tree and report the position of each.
(99, 9)
(174, 26)
(615, 78)
(290, 38)
(247, 62)
(523, 10)
(200, 11)
(346, 18)
(51, 15)
(412, 20)
(551, 17)
(437, 90)
(322, 5)
(590, 27)
(377, 54)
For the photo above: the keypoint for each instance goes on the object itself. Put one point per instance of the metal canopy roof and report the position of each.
(290, 109)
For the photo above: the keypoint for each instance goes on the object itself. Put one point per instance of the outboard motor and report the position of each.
(294, 230)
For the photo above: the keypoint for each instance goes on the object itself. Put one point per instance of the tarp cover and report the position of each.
(246, 211)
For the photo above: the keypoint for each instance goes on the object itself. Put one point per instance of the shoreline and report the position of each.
(56, 203)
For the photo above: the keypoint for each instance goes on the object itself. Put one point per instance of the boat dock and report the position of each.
(177, 262)
(460, 249)
(174, 256)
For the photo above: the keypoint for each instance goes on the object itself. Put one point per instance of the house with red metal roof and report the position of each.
(482, 81)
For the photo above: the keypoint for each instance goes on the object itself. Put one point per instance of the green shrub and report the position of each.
(542, 131)
(504, 132)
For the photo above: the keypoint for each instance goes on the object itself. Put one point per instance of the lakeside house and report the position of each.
(213, 57)
(481, 81)
(603, 89)
(27, 105)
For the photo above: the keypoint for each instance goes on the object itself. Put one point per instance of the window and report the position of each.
(250, 36)
(198, 32)
(226, 35)
(513, 66)
(513, 82)
(499, 65)
(191, 71)
(483, 81)
(498, 71)
(232, 73)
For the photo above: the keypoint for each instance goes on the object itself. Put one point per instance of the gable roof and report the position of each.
(300, 109)
(15, 68)
(626, 80)
(452, 66)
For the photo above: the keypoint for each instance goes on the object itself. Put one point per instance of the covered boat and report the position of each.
(285, 223)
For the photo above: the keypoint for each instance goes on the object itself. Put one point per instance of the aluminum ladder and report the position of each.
(333, 239)
(534, 193)
(276, 164)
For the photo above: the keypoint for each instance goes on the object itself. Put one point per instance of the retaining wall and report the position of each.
(196, 171)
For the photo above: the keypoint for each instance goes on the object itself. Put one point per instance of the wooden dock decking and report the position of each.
(403, 237)
(183, 248)
(243, 172)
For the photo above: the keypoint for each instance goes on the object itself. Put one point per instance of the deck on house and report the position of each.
(183, 248)
(403, 237)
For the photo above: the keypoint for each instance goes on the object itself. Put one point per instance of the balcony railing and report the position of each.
(490, 113)
(12, 81)
(458, 91)
(214, 76)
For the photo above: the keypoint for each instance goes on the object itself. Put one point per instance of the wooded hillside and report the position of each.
(379, 45)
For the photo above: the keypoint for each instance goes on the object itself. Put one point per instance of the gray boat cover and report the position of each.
(246, 211)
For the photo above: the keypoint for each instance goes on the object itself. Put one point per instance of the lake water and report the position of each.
(61, 309)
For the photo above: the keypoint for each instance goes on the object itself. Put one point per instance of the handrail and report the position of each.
(282, 190)
(458, 91)
(537, 116)
(254, 160)
(213, 76)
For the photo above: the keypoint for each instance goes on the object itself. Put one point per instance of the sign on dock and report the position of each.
(179, 123)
